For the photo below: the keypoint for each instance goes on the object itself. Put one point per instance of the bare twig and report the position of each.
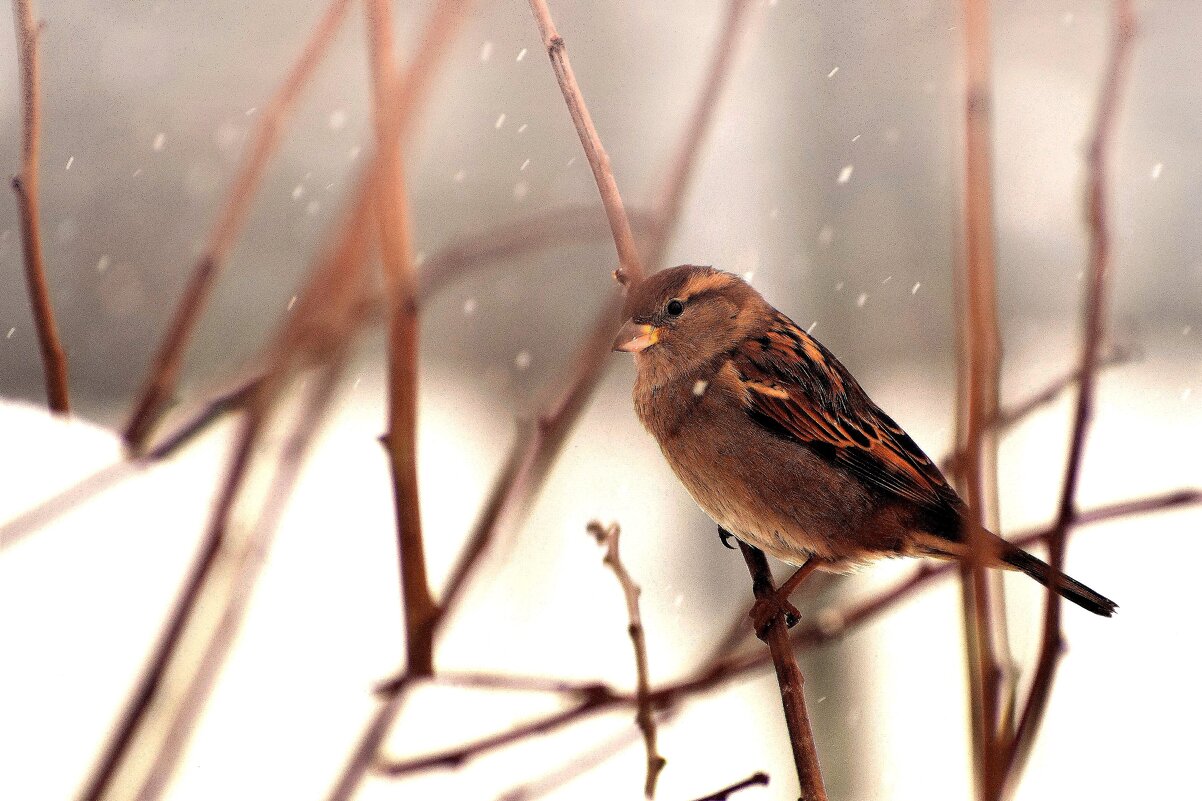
(726, 666)
(630, 266)
(54, 358)
(1093, 314)
(607, 536)
(164, 372)
(790, 679)
(725, 793)
(392, 213)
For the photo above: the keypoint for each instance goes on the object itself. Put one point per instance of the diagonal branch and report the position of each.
(164, 372)
(54, 358)
(789, 677)
(630, 266)
(607, 536)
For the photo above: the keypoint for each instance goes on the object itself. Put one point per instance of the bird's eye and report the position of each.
(675, 308)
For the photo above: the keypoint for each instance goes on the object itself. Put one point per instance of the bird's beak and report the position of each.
(636, 337)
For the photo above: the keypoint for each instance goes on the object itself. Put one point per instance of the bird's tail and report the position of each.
(1068, 588)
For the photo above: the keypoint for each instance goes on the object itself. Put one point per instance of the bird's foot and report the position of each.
(725, 536)
(766, 610)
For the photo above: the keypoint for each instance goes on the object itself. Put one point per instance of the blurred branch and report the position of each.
(148, 740)
(546, 229)
(680, 173)
(630, 266)
(788, 676)
(164, 372)
(1093, 315)
(726, 665)
(607, 536)
(54, 358)
(980, 358)
(725, 793)
(396, 249)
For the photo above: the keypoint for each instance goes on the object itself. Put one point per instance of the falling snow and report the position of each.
(160, 141)
(520, 190)
(855, 138)
(469, 306)
(522, 128)
(826, 236)
(11, 331)
(291, 302)
(337, 120)
(522, 360)
(354, 152)
(887, 279)
(500, 121)
(845, 174)
(103, 263)
(525, 164)
(813, 325)
(298, 191)
(914, 289)
(521, 54)
(486, 51)
(862, 299)
(700, 387)
(1157, 168)
(1185, 393)
(831, 74)
(70, 161)
(839, 287)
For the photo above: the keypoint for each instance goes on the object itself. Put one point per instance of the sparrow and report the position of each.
(778, 443)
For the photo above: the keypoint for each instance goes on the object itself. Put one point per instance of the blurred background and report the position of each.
(830, 179)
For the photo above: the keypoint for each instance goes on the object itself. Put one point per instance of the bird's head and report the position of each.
(680, 318)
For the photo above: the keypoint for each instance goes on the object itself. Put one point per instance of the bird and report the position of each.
(782, 447)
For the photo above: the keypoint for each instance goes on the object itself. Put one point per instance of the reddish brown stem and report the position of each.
(980, 372)
(400, 279)
(790, 679)
(630, 265)
(725, 793)
(1093, 316)
(54, 357)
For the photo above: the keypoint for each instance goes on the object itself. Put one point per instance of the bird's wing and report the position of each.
(797, 389)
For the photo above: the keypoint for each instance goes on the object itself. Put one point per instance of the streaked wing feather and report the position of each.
(795, 386)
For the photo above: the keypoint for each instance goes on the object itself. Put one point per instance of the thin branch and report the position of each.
(726, 666)
(54, 358)
(608, 536)
(790, 679)
(630, 266)
(759, 778)
(1093, 322)
(180, 671)
(504, 242)
(392, 212)
(164, 372)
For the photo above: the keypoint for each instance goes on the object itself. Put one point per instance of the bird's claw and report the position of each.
(726, 537)
(767, 610)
